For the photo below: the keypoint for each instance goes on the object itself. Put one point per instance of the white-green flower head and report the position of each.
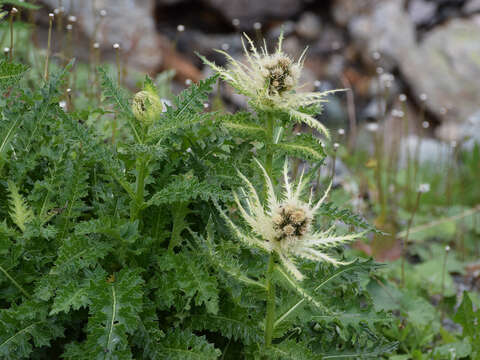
(271, 82)
(146, 106)
(284, 225)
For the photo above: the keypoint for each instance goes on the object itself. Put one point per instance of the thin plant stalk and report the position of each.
(334, 160)
(49, 44)
(352, 117)
(119, 75)
(12, 15)
(416, 163)
(444, 271)
(405, 239)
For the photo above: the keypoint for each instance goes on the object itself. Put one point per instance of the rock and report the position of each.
(429, 150)
(467, 133)
(309, 26)
(206, 45)
(471, 6)
(344, 11)
(330, 39)
(168, 2)
(249, 11)
(444, 65)
(446, 68)
(127, 22)
(421, 11)
(378, 31)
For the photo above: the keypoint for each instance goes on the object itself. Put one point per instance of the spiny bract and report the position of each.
(271, 82)
(284, 226)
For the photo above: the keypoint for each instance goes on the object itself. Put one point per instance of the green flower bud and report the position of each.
(146, 107)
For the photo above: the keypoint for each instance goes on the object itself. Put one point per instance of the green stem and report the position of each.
(141, 165)
(270, 285)
(19, 287)
(270, 316)
(140, 187)
(270, 129)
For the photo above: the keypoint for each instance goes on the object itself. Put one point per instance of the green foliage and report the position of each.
(21, 4)
(20, 213)
(10, 74)
(470, 322)
(111, 245)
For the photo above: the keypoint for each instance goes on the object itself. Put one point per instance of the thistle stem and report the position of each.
(269, 158)
(140, 185)
(270, 311)
(270, 315)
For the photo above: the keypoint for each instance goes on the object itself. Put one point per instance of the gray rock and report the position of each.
(168, 2)
(255, 10)
(309, 26)
(467, 133)
(344, 11)
(378, 31)
(445, 65)
(422, 11)
(430, 151)
(471, 6)
(129, 23)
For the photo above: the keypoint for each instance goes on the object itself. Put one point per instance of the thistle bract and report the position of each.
(271, 82)
(146, 106)
(284, 225)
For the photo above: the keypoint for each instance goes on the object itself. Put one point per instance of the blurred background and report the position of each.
(428, 50)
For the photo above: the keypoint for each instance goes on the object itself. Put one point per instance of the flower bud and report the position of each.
(146, 107)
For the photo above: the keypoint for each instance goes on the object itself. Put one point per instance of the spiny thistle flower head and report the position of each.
(272, 82)
(284, 225)
(146, 106)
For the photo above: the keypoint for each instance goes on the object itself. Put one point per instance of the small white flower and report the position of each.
(424, 188)
(284, 226)
(271, 82)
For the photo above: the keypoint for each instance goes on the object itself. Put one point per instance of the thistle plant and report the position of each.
(272, 83)
(284, 229)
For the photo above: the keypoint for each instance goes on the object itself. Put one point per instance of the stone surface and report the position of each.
(422, 11)
(255, 10)
(309, 26)
(127, 22)
(445, 65)
(471, 6)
